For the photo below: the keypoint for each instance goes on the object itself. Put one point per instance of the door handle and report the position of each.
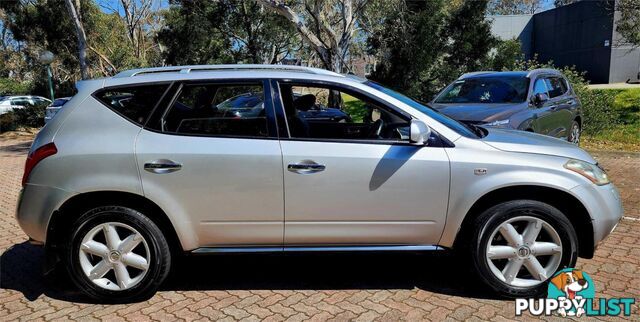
(162, 166)
(306, 167)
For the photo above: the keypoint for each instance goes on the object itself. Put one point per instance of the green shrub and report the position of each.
(598, 109)
(627, 104)
(11, 87)
(30, 116)
(7, 122)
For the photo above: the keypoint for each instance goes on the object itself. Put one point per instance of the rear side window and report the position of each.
(235, 110)
(135, 103)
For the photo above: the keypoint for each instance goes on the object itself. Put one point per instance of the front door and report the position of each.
(214, 162)
(356, 180)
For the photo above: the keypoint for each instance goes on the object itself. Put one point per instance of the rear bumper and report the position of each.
(36, 205)
(604, 206)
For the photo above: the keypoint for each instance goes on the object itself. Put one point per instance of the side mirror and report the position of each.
(540, 99)
(420, 133)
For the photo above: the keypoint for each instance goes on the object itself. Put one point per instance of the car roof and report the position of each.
(213, 72)
(530, 73)
(256, 68)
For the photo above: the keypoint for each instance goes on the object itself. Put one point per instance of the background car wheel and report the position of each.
(574, 133)
(116, 254)
(517, 246)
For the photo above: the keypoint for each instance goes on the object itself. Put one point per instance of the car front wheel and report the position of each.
(117, 254)
(574, 133)
(518, 245)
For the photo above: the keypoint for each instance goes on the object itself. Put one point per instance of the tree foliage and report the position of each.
(514, 7)
(422, 46)
(629, 24)
(224, 31)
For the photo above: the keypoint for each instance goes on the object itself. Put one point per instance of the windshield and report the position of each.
(486, 90)
(454, 125)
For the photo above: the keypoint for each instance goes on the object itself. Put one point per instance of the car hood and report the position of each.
(478, 112)
(528, 142)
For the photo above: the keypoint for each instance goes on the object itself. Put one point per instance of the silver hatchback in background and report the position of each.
(150, 164)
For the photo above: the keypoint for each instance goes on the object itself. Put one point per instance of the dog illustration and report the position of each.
(570, 283)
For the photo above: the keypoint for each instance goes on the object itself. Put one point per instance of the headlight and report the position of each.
(589, 171)
(498, 123)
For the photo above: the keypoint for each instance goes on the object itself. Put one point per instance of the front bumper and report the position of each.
(604, 206)
(36, 205)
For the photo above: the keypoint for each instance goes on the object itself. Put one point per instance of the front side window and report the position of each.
(487, 90)
(540, 87)
(332, 113)
(218, 110)
(135, 103)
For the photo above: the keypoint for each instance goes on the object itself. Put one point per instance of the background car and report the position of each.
(8, 103)
(540, 101)
(251, 104)
(54, 108)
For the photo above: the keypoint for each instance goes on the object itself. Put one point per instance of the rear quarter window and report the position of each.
(134, 103)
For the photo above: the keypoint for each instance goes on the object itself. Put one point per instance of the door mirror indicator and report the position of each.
(420, 132)
(540, 99)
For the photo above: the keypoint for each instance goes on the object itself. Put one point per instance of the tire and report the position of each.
(121, 275)
(574, 133)
(556, 234)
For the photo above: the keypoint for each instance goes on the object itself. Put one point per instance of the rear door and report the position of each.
(562, 105)
(213, 160)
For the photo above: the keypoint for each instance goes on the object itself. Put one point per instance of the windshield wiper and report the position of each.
(474, 128)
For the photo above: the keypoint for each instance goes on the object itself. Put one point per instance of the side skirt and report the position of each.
(290, 249)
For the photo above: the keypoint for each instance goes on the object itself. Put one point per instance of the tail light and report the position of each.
(34, 158)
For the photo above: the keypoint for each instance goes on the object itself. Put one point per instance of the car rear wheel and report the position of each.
(117, 254)
(518, 245)
(574, 133)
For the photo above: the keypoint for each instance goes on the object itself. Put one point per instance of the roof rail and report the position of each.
(544, 70)
(475, 73)
(205, 68)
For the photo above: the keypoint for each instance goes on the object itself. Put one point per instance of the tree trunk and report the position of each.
(82, 38)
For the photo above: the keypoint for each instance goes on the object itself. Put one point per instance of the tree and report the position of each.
(560, 3)
(328, 27)
(225, 31)
(74, 14)
(629, 23)
(422, 46)
(514, 7)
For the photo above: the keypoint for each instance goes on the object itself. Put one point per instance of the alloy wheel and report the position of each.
(112, 262)
(575, 134)
(524, 251)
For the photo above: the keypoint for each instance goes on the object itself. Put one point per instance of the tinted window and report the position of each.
(331, 113)
(21, 102)
(135, 103)
(486, 90)
(214, 109)
(556, 85)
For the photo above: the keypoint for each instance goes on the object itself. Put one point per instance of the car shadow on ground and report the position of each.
(18, 148)
(21, 269)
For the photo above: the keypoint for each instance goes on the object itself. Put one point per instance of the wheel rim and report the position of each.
(524, 251)
(575, 134)
(111, 262)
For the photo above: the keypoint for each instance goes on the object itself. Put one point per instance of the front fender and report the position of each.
(503, 169)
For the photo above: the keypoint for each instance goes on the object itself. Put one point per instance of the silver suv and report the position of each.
(150, 164)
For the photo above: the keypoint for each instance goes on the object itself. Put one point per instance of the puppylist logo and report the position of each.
(571, 292)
